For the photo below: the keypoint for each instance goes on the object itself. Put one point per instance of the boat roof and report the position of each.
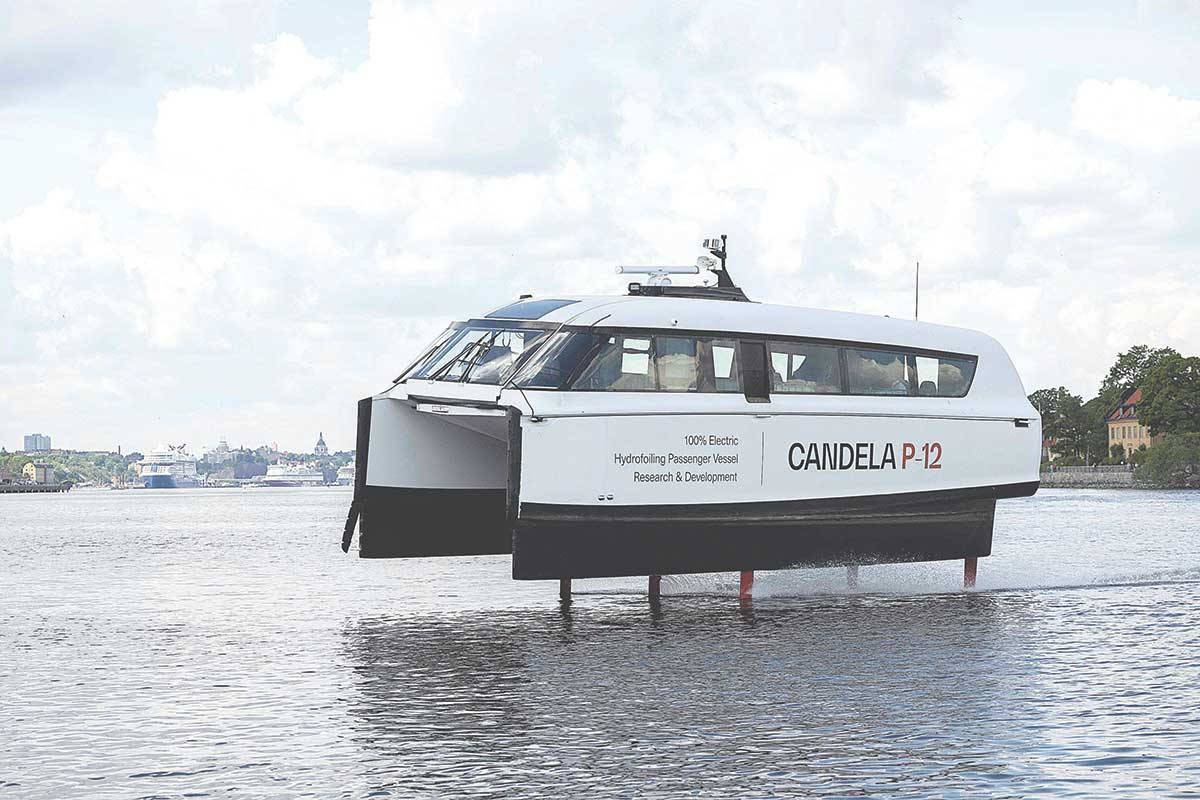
(708, 315)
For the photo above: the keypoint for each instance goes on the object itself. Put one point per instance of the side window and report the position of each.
(621, 365)
(675, 363)
(727, 373)
(943, 376)
(560, 358)
(880, 372)
(800, 368)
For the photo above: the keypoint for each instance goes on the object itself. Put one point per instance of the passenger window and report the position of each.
(881, 372)
(635, 358)
(941, 376)
(675, 363)
(727, 376)
(801, 368)
(621, 365)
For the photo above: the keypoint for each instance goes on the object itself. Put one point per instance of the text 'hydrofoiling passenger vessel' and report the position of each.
(682, 429)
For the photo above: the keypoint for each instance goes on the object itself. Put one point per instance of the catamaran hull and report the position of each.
(481, 481)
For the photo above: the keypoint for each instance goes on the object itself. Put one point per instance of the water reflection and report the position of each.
(614, 697)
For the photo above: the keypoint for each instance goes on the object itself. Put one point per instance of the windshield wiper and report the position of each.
(469, 356)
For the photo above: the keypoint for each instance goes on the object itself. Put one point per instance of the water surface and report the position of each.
(217, 643)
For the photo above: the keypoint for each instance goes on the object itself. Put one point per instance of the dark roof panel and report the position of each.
(529, 309)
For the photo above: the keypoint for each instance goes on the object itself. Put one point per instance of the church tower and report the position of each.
(321, 449)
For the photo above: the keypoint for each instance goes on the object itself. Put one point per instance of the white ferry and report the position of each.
(291, 475)
(168, 467)
(345, 475)
(686, 429)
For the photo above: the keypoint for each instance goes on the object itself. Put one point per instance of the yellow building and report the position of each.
(1124, 428)
(38, 473)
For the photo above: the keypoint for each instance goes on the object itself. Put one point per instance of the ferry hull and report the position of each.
(415, 523)
(159, 482)
(427, 487)
(581, 542)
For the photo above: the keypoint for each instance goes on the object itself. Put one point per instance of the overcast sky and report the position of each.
(235, 217)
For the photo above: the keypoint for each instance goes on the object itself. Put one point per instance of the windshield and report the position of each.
(478, 353)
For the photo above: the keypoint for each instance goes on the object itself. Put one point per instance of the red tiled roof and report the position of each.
(1128, 407)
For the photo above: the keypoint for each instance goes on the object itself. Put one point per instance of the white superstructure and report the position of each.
(168, 467)
(292, 475)
(684, 429)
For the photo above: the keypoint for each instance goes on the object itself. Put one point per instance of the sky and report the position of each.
(233, 218)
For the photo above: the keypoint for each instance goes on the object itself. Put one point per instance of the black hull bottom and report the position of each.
(594, 549)
(551, 541)
(413, 523)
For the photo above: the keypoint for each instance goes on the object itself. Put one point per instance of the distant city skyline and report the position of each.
(231, 218)
(196, 449)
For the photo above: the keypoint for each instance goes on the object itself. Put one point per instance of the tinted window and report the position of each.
(479, 354)
(637, 363)
(944, 376)
(620, 365)
(880, 372)
(720, 356)
(529, 309)
(500, 353)
(557, 362)
(676, 364)
(801, 368)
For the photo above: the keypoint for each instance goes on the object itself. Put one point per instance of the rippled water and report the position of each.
(218, 643)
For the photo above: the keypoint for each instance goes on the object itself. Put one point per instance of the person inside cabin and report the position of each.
(951, 380)
(878, 372)
(819, 373)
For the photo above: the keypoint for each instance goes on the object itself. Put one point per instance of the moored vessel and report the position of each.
(291, 475)
(168, 467)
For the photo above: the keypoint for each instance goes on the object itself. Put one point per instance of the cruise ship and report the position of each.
(168, 467)
(292, 475)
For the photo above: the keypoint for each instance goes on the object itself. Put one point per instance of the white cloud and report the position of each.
(1136, 115)
(276, 242)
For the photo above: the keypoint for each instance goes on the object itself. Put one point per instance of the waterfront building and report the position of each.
(221, 454)
(321, 449)
(38, 473)
(1125, 429)
(37, 443)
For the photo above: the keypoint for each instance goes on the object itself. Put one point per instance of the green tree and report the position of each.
(1130, 370)
(1096, 433)
(1075, 427)
(1171, 396)
(1174, 462)
(1055, 407)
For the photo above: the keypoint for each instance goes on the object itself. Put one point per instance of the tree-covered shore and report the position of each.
(105, 469)
(1077, 430)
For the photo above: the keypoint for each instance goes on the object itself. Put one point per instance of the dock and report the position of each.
(28, 488)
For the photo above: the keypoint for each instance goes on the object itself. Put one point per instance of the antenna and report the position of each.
(717, 247)
(917, 294)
